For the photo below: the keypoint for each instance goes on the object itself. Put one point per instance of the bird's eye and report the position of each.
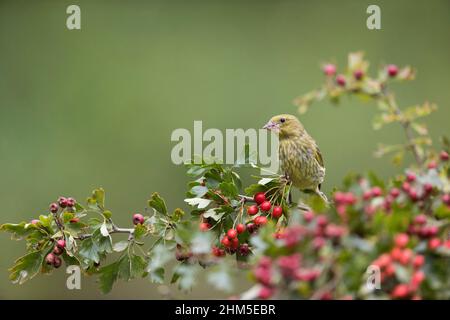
(282, 120)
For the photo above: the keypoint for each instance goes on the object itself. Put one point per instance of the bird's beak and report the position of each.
(272, 126)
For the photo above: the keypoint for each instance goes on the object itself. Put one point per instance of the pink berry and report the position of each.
(432, 165)
(376, 191)
(446, 199)
(308, 216)
(70, 202)
(358, 74)
(54, 208)
(427, 187)
(340, 80)
(400, 291)
(411, 177)
(434, 243)
(265, 293)
(204, 226)
(50, 258)
(401, 240)
(418, 261)
(62, 201)
(392, 70)
(421, 219)
(394, 192)
(138, 219)
(329, 69)
(57, 263)
(61, 243)
(443, 156)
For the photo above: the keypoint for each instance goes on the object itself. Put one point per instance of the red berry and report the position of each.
(244, 249)
(446, 199)
(358, 74)
(265, 206)
(50, 258)
(417, 279)
(432, 165)
(204, 226)
(57, 250)
(367, 195)
(74, 220)
(406, 256)
(400, 291)
(265, 293)
(413, 195)
(251, 227)
(138, 219)
(431, 231)
(277, 212)
(329, 69)
(70, 202)
(434, 243)
(308, 216)
(443, 156)
(226, 242)
(340, 80)
(62, 202)
(401, 240)
(396, 253)
(259, 197)
(322, 221)
(232, 233)
(420, 219)
(260, 220)
(427, 187)
(349, 198)
(318, 243)
(57, 263)
(252, 210)
(54, 208)
(410, 177)
(406, 186)
(392, 70)
(418, 261)
(383, 261)
(61, 243)
(217, 252)
(240, 228)
(394, 192)
(35, 221)
(234, 243)
(376, 191)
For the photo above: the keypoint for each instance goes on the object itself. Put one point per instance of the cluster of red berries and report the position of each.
(404, 256)
(330, 70)
(62, 203)
(53, 258)
(265, 206)
(288, 266)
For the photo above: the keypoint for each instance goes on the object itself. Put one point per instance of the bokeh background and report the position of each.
(96, 107)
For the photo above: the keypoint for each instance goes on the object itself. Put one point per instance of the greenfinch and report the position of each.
(300, 157)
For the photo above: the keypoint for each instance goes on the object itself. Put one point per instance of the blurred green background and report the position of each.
(96, 107)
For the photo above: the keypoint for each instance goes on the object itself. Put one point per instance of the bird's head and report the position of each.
(285, 125)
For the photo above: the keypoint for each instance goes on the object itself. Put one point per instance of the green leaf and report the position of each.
(107, 214)
(18, 231)
(199, 202)
(120, 246)
(108, 275)
(214, 213)
(157, 276)
(104, 230)
(99, 196)
(89, 250)
(157, 203)
(228, 189)
(28, 266)
(199, 191)
(220, 277)
(139, 231)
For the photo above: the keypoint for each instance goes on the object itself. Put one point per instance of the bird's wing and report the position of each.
(318, 157)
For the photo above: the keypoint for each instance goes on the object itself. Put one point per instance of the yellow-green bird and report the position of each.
(300, 157)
